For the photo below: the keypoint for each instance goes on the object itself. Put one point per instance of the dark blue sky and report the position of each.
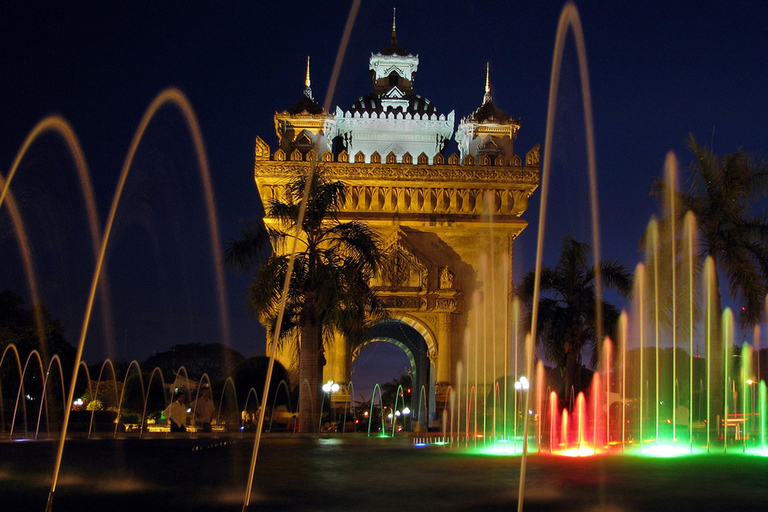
(658, 70)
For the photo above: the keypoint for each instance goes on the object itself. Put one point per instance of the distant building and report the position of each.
(450, 221)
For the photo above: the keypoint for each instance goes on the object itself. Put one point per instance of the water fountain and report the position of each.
(590, 427)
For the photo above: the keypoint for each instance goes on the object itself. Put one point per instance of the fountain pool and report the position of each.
(360, 473)
(340, 473)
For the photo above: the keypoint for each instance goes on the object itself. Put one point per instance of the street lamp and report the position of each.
(398, 414)
(330, 387)
(521, 384)
(752, 384)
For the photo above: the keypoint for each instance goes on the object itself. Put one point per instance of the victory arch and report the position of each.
(448, 222)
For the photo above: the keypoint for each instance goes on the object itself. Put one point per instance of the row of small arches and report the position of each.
(428, 200)
(433, 200)
(392, 115)
(391, 158)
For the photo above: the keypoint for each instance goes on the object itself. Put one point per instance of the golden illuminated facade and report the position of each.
(449, 222)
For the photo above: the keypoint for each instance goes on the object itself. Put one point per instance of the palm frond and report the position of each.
(722, 193)
(568, 304)
(249, 251)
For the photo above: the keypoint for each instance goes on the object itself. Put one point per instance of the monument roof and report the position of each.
(393, 71)
(394, 48)
(307, 103)
(488, 112)
(373, 102)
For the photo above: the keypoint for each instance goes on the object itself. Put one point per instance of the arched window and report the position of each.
(303, 140)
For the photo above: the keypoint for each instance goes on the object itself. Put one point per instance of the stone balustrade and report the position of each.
(411, 186)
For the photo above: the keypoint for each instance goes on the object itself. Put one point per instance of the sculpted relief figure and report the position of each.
(446, 279)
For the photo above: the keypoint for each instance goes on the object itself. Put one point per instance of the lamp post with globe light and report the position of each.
(751, 383)
(330, 388)
(522, 385)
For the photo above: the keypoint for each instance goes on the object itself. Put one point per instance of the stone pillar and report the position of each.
(309, 368)
(338, 368)
(444, 352)
(444, 370)
(338, 360)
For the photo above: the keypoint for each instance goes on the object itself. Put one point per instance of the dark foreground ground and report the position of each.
(331, 474)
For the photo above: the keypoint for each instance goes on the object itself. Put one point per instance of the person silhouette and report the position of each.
(203, 409)
(176, 412)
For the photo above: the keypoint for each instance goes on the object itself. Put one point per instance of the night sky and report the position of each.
(658, 71)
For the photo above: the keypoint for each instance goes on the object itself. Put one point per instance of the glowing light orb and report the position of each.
(581, 451)
(501, 449)
(665, 450)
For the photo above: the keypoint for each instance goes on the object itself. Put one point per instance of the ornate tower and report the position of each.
(393, 119)
(449, 223)
(488, 131)
(305, 126)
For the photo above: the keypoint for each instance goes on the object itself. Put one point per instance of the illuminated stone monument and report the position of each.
(449, 223)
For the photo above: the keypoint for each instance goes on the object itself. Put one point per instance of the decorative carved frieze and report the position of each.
(447, 278)
(398, 271)
(403, 268)
(404, 282)
(432, 355)
(532, 157)
(508, 177)
(404, 303)
(408, 200)
(449, 304)
(262, 149)
(357, 119)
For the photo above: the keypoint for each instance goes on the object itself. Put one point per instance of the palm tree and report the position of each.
(722, 194)
(329, 290)
(568, 308)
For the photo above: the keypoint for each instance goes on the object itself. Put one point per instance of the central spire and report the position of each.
(487, 96)
(307, 88)
(394, 26)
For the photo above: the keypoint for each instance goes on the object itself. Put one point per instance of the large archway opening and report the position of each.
(378, 362)
(392, 349)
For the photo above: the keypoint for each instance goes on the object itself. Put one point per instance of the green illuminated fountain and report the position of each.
(668, 385)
